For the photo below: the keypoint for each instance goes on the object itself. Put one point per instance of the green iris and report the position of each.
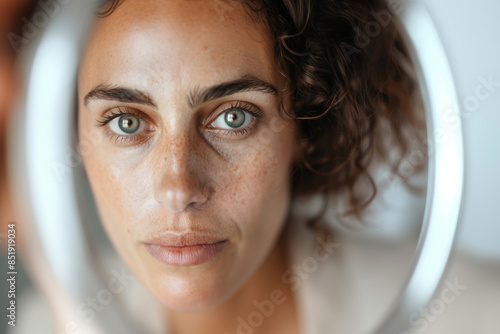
(128, 123)
(235, 118)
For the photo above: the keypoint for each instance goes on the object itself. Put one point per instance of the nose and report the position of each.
(180, 185)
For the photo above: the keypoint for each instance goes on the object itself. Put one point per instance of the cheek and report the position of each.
(255, 193)
(117, 190)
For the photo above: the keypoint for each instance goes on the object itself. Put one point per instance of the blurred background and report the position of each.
(469, 32)
(11, 14)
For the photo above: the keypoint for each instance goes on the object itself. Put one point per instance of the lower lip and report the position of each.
(187, 255)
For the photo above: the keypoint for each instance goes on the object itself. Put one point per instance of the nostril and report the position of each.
(202, 197)
(178, 197)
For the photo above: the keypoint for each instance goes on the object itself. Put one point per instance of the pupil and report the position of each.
(235, 118)
(129, 124)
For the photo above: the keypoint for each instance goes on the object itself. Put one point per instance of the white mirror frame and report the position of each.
(445, 162)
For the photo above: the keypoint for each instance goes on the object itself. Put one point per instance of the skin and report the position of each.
(183, 172)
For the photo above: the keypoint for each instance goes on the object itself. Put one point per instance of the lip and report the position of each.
(187, 249)
(187, 255)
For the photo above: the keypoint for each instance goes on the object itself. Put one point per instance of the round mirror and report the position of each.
(147, 131)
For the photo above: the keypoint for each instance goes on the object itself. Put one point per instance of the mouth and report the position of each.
(188, 249)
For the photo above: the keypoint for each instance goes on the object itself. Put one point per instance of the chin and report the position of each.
(196, 293)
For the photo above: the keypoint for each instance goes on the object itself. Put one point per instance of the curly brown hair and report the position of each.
(350, 75)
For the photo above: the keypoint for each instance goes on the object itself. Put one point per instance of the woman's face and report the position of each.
(180, 133)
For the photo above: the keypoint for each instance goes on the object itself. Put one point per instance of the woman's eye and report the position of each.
(233, 119)
(127, 124)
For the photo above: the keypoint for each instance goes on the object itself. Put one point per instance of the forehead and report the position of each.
(154, 43)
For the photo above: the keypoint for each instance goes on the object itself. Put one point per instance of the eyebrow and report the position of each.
(122, 94)
(243, 84)
(195, 98)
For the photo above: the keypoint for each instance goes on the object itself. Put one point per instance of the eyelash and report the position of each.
(142, 138)
(243, 107)
(139, 138)
(112, 115)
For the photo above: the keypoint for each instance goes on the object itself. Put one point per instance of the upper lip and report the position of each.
(191, 238)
